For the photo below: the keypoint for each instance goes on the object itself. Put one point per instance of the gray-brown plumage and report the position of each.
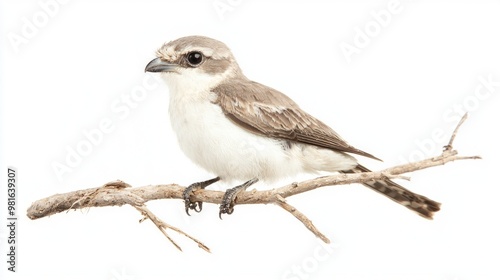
(266, 111)
(424, 206)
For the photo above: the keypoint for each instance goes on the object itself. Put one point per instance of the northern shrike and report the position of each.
(241, 130)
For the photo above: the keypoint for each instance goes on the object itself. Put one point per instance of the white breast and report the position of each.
(215, 143)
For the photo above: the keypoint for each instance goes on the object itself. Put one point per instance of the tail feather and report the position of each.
(424, 206)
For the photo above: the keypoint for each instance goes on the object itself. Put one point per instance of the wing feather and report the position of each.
(268, 112)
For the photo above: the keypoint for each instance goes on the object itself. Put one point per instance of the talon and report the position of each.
(226, 208)
(187, 200)
(187, 206)
(196, 206)
(229, 199)
(186, 195)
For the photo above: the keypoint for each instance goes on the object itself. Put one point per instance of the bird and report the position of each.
(241, 130)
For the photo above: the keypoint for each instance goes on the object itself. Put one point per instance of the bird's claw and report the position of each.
(188, 204)
(186, 195)
(227, 205)
(229, 199)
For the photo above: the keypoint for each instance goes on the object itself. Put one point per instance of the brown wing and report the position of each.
(266, 111)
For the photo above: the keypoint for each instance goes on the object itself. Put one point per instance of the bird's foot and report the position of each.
(195, 205)
(229, 199)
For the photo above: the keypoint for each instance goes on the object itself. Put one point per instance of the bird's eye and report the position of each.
(194, 58)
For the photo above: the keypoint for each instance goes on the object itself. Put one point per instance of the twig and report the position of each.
(161, 225)
(449, 147)
(301, 217)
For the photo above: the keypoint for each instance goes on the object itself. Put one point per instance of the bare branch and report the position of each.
(162, 226)
(119, 193)
(301, 217)
(449, 147)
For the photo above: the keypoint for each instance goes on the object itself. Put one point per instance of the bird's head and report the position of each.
(194, 60)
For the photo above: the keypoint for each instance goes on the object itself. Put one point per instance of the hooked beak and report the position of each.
(159, 65)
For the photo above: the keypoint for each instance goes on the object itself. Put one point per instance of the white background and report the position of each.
(408, 82)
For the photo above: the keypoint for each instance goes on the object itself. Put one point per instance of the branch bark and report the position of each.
(119, 193)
